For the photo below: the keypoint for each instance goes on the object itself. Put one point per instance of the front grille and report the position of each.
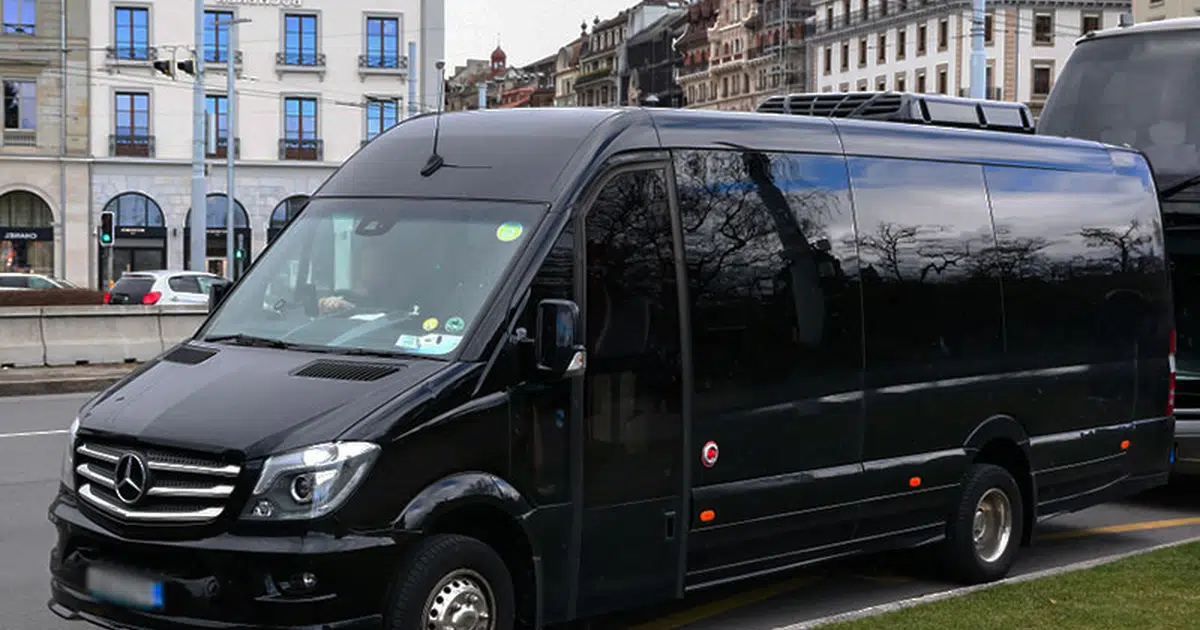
(153, 485)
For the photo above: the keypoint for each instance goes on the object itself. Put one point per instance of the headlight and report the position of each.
(68, 464)
(309, 482)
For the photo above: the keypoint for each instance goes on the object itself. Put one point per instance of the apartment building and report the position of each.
(1154, 10)
(925, 45)
(44, 225)
(315, 79)
(751, 49)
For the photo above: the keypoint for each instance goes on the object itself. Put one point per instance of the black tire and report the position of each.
(430, 562)
(961, 559)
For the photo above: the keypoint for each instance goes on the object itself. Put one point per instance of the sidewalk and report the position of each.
(60, 380)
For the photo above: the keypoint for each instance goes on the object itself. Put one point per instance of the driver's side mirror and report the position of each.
(217, 292)
(557, 348)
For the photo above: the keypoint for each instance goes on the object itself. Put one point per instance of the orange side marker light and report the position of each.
(1124, 444)
(914, 482)
(707, 516)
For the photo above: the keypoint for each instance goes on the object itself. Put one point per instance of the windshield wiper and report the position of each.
(1179, 187)
(367, 352)
(250, 340)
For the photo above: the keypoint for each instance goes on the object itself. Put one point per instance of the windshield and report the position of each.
(1139, 90)
(385, 276)
(1182, 229)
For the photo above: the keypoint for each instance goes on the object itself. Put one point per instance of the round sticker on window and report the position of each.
(455, 325)
(430, 324)
(509, 232)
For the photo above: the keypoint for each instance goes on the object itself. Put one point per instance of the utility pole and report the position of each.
(198, 223)
(412, 80)
(230, 154)
(978, 57)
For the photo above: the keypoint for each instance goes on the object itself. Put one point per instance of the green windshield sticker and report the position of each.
(455, 325)
(509, 232)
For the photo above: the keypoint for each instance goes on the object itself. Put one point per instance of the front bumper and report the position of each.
(223, 581)
(1187, 447)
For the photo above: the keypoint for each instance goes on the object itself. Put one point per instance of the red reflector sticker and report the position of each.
(709, 455)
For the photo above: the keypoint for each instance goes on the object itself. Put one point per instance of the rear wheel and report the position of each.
(451, 582)
(984, 531)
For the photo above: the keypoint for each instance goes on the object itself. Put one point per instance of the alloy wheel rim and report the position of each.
(992, 526)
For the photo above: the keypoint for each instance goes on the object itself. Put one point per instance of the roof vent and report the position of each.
(905, 107)
(189, 355)
(346, 370)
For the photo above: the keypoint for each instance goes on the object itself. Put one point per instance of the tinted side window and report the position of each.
(14, 282)
(633, 385)
(1082, 264)
(775, 310)
(41, 283)
(932, 305)
(184, 284)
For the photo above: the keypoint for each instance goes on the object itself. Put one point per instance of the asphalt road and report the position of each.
(32, 431)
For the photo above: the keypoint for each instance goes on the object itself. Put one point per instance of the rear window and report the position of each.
(13, 282)
(136, 287)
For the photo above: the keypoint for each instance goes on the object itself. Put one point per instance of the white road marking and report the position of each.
(33, 433)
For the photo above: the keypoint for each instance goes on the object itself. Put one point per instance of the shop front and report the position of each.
(26, 234)
(141, 237)
(217, 234)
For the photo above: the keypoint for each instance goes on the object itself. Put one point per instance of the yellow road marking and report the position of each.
(721, 606)
(1119, 529)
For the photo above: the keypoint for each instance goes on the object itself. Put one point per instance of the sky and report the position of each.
(528, 29)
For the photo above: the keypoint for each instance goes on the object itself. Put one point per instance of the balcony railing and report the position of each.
(890, 9)
(12, 28)
(301, 149)
(300, 59)
(695, 68)
(19, 138)
(130, 54)
(131, 145)
(221, 150)
(383, 62)
(218, 59)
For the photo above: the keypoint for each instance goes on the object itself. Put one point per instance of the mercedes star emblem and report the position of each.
(131, 478)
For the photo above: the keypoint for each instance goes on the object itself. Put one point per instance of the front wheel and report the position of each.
(984, 530)
(451, 582)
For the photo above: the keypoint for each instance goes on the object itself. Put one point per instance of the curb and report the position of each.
(81, 385)
(873, 611)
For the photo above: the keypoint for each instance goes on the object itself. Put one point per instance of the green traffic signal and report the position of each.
(105, 238)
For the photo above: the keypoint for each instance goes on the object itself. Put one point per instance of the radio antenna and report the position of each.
(435, 161)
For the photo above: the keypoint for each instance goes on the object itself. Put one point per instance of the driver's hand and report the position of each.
(333, 304)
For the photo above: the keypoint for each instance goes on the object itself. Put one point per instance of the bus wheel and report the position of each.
(984, 531)
(451, 582)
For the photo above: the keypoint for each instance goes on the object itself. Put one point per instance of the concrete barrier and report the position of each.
(79, 335)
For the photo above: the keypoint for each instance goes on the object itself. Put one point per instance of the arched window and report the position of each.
(215, 213)
(287, 210)
(136, 210)
(21, 208)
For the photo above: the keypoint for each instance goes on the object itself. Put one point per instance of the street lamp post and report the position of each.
(230, 124)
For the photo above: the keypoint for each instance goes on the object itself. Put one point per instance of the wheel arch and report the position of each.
(1002, 441)
(488, 508)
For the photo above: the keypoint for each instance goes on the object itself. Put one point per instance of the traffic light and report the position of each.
(108, 228)
(172, 67)
(188, 66)
(165, 66)
(239, 253)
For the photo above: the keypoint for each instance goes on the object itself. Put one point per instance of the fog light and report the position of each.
(299, 583)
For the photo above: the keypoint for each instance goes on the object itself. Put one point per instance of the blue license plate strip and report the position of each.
(125, 588)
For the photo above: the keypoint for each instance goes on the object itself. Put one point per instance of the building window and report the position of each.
(881, 49)
(132, 129)
(828, 17)
(132, 40)
(217, 106)
(828, 59)
(901, 83)
(901, 42)
(922, 38)
(881, 84)
(920, 82)
(1041, 80)
(846, 12)
(943, 81)
(216, 36)
(20, 17)
(989, 82)
(383, 42)
(1091, 22)
(862, 52)
(381, 115)
(943, 34)
(20, 105)
(845, 56)
(300, 129)
(1043, 28)
(300, 40)
(988, 28)
(865, 11)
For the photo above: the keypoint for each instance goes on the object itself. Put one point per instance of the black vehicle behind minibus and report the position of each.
(546, 364)
(1136, 85)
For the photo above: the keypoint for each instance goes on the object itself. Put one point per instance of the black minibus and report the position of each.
(517, 367)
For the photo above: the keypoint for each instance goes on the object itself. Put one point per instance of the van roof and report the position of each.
(536, 154)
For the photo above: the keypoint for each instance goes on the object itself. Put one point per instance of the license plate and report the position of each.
(124, 588)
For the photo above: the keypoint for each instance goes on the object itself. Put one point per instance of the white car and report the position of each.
(161, 287)
(11, 281)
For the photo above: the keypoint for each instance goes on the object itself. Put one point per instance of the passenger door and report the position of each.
(632, 511)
